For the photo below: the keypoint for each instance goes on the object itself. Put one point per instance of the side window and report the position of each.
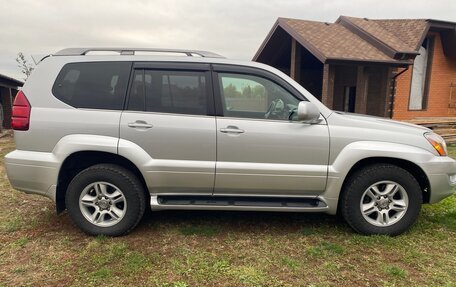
(248, 96)
(94, 85)
(169, 92)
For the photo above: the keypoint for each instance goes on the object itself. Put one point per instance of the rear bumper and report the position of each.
(441, 172)
(32, 172)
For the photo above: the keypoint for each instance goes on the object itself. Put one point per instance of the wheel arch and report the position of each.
(80, 160)
(409, 166)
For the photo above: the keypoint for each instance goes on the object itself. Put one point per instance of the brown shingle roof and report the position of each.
(333, 40)
(410, 31)
(378, 31)
(358, 39)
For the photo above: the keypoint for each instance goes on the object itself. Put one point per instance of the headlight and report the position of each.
(437, 142)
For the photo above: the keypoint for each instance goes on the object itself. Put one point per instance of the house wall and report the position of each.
(377, 88)
(378, 91)
(443, 74)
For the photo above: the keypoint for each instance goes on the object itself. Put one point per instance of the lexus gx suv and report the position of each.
(107, 135)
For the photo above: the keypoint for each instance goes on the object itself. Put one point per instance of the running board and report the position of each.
(241, 203)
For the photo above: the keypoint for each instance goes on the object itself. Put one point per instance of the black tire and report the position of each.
(126, 182)
(359, 183)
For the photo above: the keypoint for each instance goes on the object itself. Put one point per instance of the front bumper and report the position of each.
(32, 172)
(441, 172)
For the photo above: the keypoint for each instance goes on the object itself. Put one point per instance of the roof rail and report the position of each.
(131, 51)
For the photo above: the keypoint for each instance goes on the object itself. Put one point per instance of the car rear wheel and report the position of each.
(105, 199)
(381, 199)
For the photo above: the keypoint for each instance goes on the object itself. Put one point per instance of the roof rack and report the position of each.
(131, 51)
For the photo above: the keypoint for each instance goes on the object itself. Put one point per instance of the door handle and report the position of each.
(231, 130)
(140, 125)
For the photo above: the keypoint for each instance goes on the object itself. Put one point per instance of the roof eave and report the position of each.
(426, 31)
(441, 24)
(11, 82)
(266, 40)
(369, 62)
(306, 44)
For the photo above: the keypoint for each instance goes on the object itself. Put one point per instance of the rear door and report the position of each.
(261, 147)
(169, 114)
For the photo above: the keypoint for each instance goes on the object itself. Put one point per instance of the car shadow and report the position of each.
(216, 222)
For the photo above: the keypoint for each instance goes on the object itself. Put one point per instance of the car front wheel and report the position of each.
(381, 199)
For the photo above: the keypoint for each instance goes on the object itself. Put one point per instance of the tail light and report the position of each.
(20, 119)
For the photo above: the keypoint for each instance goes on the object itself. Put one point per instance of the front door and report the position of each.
(261, 148)
(167, 116)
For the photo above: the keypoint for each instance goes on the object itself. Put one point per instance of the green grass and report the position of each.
(11, 224)
(21, 242)
(395, 271)
(181, 249)
(325, 249)
(99, 275)
(199, 230)
(452, 150)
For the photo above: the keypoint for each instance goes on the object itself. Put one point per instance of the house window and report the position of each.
(419, 90)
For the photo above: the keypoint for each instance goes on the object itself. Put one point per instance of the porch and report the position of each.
(350, 86)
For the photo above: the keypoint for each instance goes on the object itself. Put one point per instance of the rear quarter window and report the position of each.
(93, 85)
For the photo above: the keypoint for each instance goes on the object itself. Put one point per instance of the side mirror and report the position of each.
(307, 112)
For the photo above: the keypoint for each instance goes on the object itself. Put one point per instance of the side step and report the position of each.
(295, 204)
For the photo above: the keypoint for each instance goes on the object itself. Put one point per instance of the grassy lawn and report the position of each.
(39, 248)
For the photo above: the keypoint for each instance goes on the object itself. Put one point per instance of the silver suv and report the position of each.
(107, 136)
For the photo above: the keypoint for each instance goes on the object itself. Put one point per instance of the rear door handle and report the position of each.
(232, 130)
(140, 125)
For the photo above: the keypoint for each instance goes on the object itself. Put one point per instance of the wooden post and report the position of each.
(361, 90)
(327, 91)
(295, 65)
(386, 92)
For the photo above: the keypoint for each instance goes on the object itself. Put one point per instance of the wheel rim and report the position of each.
(384, 203)
(102, 204)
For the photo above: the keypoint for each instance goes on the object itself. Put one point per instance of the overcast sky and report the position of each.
(232, 28)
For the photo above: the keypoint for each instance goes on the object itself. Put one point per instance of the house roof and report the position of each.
(331, 40)
(10, 82)
(358, 39)
(402, 35)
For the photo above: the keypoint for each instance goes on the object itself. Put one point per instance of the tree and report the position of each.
(247, 92)
(26, 67)
(230, 91)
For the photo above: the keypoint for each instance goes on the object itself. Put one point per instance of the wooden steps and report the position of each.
(444, 126)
